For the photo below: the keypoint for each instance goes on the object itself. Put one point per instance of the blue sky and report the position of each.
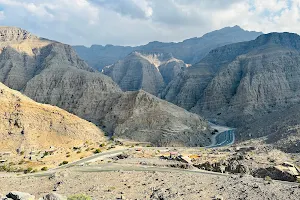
(134, 22)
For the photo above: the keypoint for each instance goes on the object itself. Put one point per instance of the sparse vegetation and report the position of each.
(268, 178)
(97, 151)
(102, 145)
(46, 153)
(79, 197)
(63, 163)
(44, 169)
(21, 162)
(28, 170)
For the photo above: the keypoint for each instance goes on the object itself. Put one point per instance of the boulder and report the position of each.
(53, 196)
(218, 197)
(15, 195)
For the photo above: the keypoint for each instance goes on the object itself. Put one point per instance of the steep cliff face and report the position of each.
(149, 71)
(27, 125)
(137, 72)
(55, 75)
(241, 82)
(190, 51)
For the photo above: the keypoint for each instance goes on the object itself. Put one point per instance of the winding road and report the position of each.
(224, 137)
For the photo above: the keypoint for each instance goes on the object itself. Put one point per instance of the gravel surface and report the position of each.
(151, 185)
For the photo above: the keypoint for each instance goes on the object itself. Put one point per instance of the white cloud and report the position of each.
(2, 15)
(270, 5)
(140, 21)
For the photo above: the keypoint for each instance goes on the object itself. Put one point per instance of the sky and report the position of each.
(135, 22)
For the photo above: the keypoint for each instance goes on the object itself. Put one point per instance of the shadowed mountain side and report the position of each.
(132, 115)
(144, 70)
(238, 83)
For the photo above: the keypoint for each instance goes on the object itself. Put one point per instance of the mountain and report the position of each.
(144, 70)
(57, 76)
(242, 83)
(190, 51)
(27, 125)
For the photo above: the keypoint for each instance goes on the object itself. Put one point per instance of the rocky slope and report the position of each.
(144, 70)
(27, 125)
(57, 76)
(190, 51)
(238, 83)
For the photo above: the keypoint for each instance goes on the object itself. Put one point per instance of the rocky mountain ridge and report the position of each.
(190, 51)
(56, 75)
(9, 34)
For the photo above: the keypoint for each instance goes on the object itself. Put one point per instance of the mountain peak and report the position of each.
(291, 40)
(14, 34)
(156, 58)
(21, 40)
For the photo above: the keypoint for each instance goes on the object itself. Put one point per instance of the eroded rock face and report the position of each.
(242, 82)
(149, 71)
(55, 75)
(136, 72)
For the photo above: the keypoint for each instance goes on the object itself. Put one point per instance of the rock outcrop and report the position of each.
(190, 51)
(55, 75)
(53, 196)
(15, 195)
(145, 70)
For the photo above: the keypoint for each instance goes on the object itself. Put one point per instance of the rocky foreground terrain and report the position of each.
(55, 75)
(152, 185)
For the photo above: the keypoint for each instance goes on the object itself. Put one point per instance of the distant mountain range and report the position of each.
(190, 51)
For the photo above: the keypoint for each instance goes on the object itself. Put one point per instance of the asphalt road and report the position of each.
(224, 139)
(120, 167)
